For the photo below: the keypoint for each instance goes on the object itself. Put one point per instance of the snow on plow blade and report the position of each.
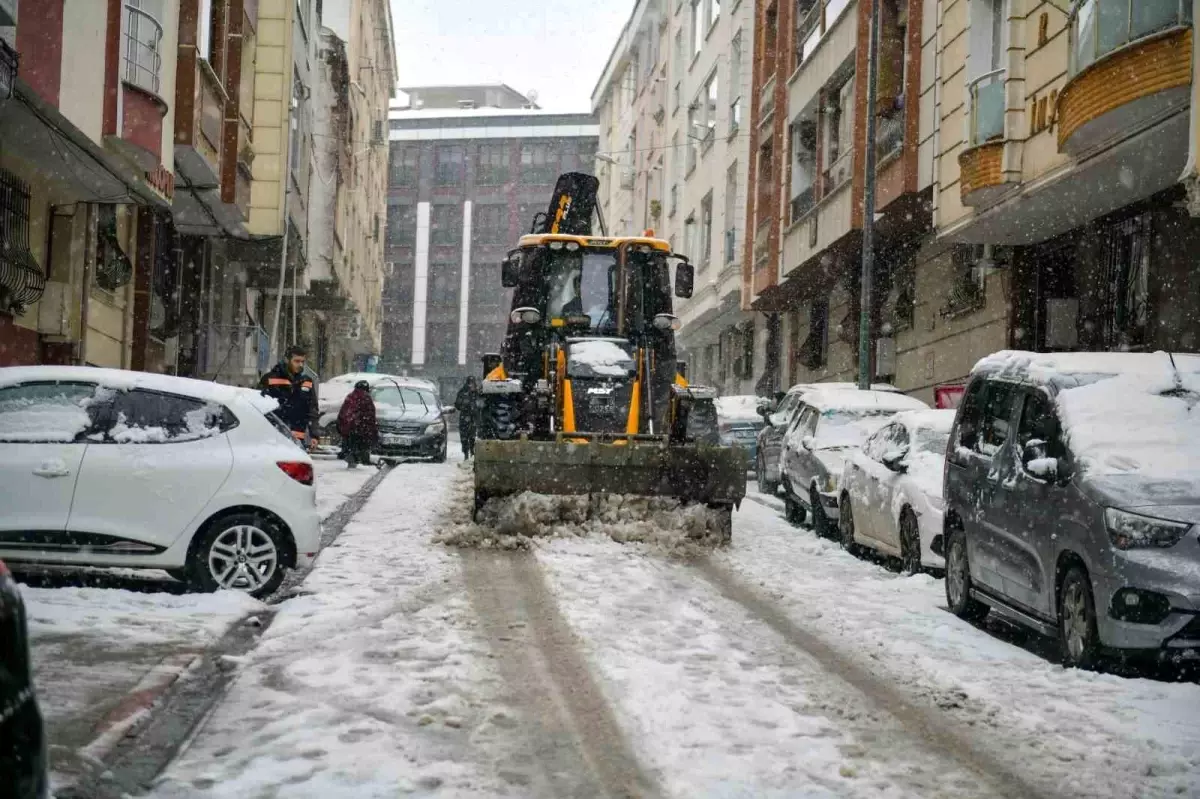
(588, 464)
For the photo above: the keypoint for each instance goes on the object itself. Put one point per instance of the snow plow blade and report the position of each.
(591, 464)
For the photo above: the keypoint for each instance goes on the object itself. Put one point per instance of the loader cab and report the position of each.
(606, 286)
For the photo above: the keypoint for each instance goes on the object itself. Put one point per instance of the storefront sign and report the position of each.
(163, 181)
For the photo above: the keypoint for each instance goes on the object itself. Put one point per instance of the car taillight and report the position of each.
(4, 572)
(300, 472)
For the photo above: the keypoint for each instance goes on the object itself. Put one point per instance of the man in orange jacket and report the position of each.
(288, 385)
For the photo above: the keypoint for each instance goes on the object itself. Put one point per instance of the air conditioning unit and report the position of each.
(377, 132)
(885, 357)
(389, 268)
(627, 179)
(840, 172)
(356, 326)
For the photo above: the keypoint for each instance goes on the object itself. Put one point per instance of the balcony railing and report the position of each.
(735, 116)
(766, 100)
(812, 26)
(987, 107)
(1098, 27)
(143, 49)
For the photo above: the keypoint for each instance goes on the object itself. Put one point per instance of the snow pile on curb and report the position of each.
(516, 522)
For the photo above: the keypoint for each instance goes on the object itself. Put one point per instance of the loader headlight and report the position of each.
(435, 428)
(529, 316)
(572, 246)
(666, 321)
(555, 245)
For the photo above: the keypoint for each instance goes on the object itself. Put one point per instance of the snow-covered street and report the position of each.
(581, 666)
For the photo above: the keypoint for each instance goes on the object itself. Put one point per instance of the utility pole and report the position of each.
(868, 234)
(293, 113)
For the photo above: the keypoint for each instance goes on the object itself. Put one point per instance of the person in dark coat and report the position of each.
(357, 426)
(289, 385)
(466, 402)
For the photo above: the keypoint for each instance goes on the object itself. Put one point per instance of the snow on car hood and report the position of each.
(1136, 437)
(740, 408)
(598, 357)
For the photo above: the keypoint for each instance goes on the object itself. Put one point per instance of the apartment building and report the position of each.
(674, 157)
(465, 182)
(86, 121)
(341, 314)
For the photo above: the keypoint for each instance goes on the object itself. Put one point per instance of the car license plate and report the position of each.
(398, 441)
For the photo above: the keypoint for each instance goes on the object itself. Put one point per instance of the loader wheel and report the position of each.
(500, 422)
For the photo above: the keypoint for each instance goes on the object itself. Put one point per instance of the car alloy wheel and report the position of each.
(243, 558)
(1077, 621)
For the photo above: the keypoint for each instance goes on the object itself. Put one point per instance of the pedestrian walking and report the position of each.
(357, 425)
(466, 402)
(292, 387)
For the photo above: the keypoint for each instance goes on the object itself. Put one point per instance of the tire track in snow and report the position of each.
(578, 743)
(941, 734)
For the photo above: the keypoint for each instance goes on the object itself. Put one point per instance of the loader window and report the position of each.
(582, 282)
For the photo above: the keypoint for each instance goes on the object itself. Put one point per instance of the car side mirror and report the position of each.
(1037, 463)
(510, 270)
(894, 460)
(807, 442)
(685, 279)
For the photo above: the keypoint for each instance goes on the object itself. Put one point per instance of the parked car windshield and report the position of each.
(405, 398)
(843, 428)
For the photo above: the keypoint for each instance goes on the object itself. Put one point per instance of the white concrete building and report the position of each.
(673, 106)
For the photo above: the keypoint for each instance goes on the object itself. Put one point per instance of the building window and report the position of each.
(491, 166)
(539, 163)
(731, 204)
(446, 223)
(404, 165)
(448, 166)
(204, 30)
(706, 224)
(697, 27)
(1125, 255)
(708, 114)
(677, 61)
(837, 135)
(693, 134)
(747, 359)
(490, 225)
(803, 140)
(764, 182)
(735, 83)
(402, 225)
(296, 133)
(714, 12)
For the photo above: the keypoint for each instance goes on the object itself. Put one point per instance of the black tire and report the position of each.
(765, 486)
(441, 457)
(1077, 634)
(501, 414)
(259, 581)
(846, 528)
(793, 511)
(958, 580)
(182, 575)
(910, 543)
(820, 522)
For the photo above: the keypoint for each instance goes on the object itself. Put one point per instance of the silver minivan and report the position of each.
(1072, 492)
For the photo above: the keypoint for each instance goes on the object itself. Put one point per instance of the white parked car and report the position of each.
(828, 427)
(104, 467)
(891, 498)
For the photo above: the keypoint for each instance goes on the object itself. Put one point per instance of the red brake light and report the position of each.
(300, 472)
(4, 572)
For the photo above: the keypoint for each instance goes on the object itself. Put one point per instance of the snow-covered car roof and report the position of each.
(937, 421)
(856, 400)
(804, 388)
(125, 380)
(1065, 369)
(739, 408)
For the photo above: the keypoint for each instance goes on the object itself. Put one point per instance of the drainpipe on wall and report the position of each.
(868, 234)
(1189, 178)
(287, 193)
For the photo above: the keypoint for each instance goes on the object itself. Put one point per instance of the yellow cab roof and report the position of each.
(536, 239)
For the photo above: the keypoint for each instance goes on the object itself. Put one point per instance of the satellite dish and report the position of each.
(532, 94)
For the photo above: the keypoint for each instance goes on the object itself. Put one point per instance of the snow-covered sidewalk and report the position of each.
(336, 483)
(1075, 733)
(368, 683)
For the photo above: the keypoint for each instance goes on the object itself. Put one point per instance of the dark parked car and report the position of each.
(1072, 497)
(778, 418)
(22, 739)
(412, 421)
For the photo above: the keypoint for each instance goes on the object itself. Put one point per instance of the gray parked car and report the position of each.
(828, 428)
(778, 418)
(1072, 494)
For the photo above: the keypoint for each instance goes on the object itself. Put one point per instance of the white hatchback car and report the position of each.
(104, 467)
(891, 497)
